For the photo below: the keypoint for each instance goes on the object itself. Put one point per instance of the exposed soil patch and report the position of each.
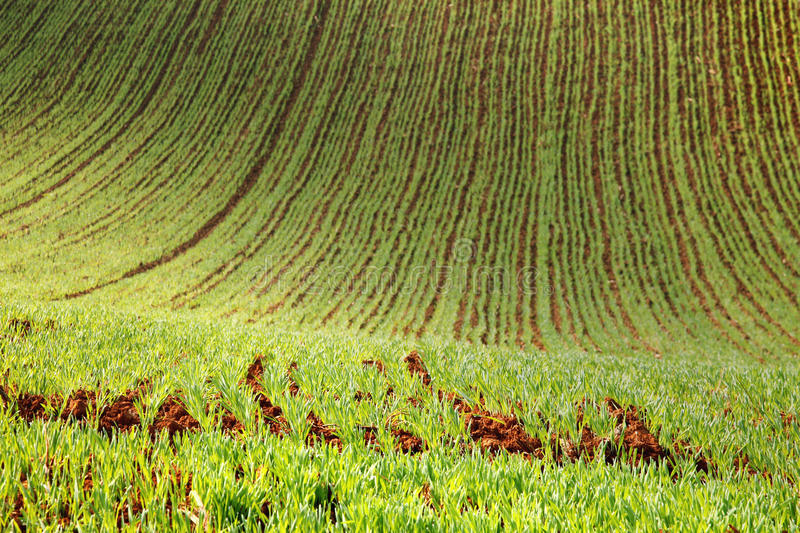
(788, 420)
(293, 387)
(407, 442)
(21, 327)
(634, 434)
(31, 406)
(378, 365)
(122, 415)
(319, 431)
(496, 432)
(18, 329)
(271, 414)
(492, 432)
(19, 503)
(173, 417)
(416, 366)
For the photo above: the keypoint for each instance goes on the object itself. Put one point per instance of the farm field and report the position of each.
(382, 265)
(240, 428)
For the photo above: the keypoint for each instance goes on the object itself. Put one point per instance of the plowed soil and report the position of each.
(492, 432)
(416, 366)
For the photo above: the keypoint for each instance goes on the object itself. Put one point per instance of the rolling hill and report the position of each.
(399, 266)
(534, 174)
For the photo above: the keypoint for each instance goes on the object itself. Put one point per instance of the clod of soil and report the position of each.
(31, 406)
(254, 373)
(591, 445)
(173, 417)
(121, 415)
(407, 442)
(416, 366)
(634, 434)
(293, 387)
(21, 326)
(682, 450)
(377, 364)
(271, 414)
(320, 431)
(362, 396)
(497, 432)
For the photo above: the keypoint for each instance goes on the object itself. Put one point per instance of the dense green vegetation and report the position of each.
(583, 216)
(729, 408)
(539, 174)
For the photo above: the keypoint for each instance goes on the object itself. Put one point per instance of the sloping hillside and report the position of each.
(606, 176)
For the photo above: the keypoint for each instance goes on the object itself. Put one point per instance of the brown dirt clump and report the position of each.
(19, 503)
(230, 423)
(682, 450)
(88, 480)
(121, 415)
(78, 405)
(634, 434)
(173, 417)
(270, 413)
(31, 406)
(377, 364)
(362, 396)
(742, 464)
(294, 389)
(319, 431)
(254, 373)
(21, 326)
(591, 445)
(497, 432)
(407, 442)
(416, 366)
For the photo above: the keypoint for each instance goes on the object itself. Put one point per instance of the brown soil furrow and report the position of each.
(433, 103)
(345, 164)
(757, 105)
(699, 268)
(532, 105)
(37, 25)
(456, 218)
(382, 139)
(63, 161)
(607, 259)
(212, 28)
(88, 46)
(555, 201)
(654, 271)
(484, 58)
(197, 149)
(266, 148)
(576, 193)
(102, 184)
(668, 182)
(734, 143)
(720, 228)
(223, 271)
(407, 51)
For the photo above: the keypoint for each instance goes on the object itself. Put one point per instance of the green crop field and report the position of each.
(383, 265)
